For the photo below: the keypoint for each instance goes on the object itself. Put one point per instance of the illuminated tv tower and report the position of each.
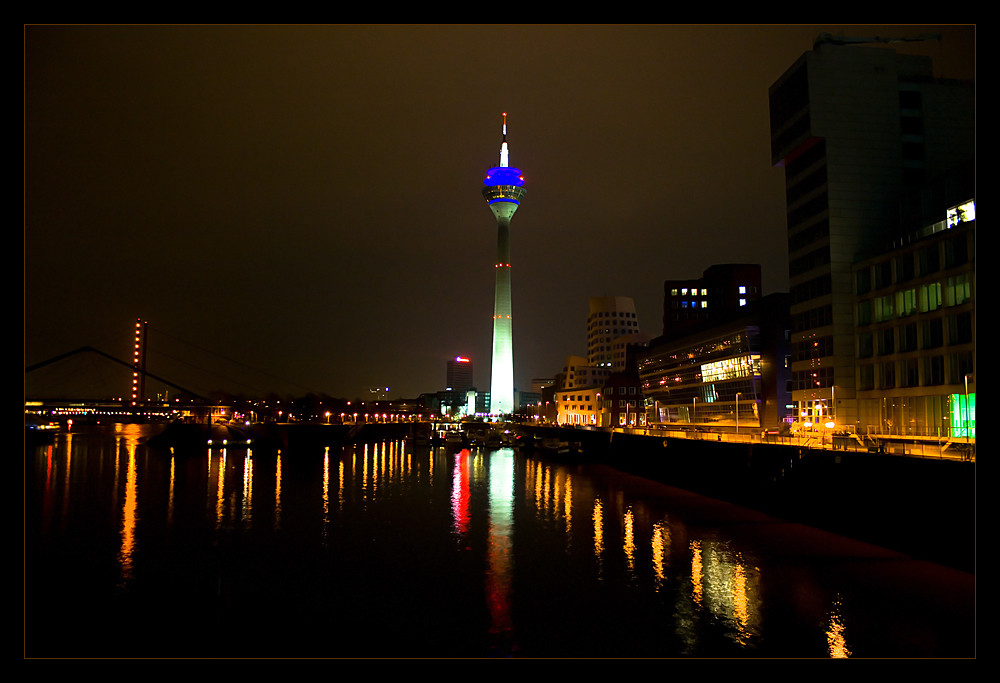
(504, 189)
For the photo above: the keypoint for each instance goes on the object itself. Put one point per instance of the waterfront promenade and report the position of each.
(954, 448)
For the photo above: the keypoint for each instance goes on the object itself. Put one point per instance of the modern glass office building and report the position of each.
(855, 127)
(916, 332)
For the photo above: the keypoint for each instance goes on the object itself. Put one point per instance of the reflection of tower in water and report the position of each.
(500, 577)
(493, 473)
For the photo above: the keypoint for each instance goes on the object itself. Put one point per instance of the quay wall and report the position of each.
(924, 507)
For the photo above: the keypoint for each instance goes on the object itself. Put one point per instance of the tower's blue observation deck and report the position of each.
(504, 184)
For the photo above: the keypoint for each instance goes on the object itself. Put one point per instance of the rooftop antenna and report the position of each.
(504, 155)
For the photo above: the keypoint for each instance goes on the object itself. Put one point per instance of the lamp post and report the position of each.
(694, 406)
(968, 415)
(737, 414)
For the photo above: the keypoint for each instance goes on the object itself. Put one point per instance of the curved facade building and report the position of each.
(611, 324)
(503, 190)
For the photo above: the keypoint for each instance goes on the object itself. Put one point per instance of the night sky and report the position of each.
(298, 209)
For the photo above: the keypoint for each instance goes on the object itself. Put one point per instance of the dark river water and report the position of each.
(390, 550)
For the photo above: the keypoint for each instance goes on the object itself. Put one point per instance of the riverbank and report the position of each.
(923, 507)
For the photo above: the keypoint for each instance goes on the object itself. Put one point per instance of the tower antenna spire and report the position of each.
(504, 154)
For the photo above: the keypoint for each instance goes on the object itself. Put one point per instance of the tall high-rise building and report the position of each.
(460, 375)
(503, 191)
(853, 126)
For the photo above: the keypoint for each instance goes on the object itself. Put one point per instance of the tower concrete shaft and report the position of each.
(503, 191)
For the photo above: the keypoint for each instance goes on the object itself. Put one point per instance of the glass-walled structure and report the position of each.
(916, 333)
(713, 381)
(733, 374)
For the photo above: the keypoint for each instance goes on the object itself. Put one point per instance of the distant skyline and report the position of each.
(303, 201)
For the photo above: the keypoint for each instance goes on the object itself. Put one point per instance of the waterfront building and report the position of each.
(734, 373)
(582, 406)
(623, 404)
(503, 190)
(916, 329)
(722, 291)
(854, 127)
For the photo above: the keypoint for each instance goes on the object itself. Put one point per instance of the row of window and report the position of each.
(622, 403)
(811, 289)
(927, 260)
(817, 347)
(703, 393)
(597, 335)
(813, 318)
(813, 378)
(927, 334)
(810, 235)
(608, 391)
(916, 372)
(814, 259)
(806, 184)
(953, 291)
(605, 318)
(614, 314)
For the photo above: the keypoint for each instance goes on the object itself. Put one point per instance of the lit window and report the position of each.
(743, 302)
(743, 290)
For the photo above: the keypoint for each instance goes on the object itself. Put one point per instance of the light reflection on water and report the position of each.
(469, 552)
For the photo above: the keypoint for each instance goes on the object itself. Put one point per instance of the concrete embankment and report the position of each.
(921, 506)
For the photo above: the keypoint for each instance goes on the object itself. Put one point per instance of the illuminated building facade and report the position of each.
(854, 128)
(916, 331)
(579, 406)
(503, 190)
(734, 373)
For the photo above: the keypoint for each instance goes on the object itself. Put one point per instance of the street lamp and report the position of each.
(968, 414)
(737, 413)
